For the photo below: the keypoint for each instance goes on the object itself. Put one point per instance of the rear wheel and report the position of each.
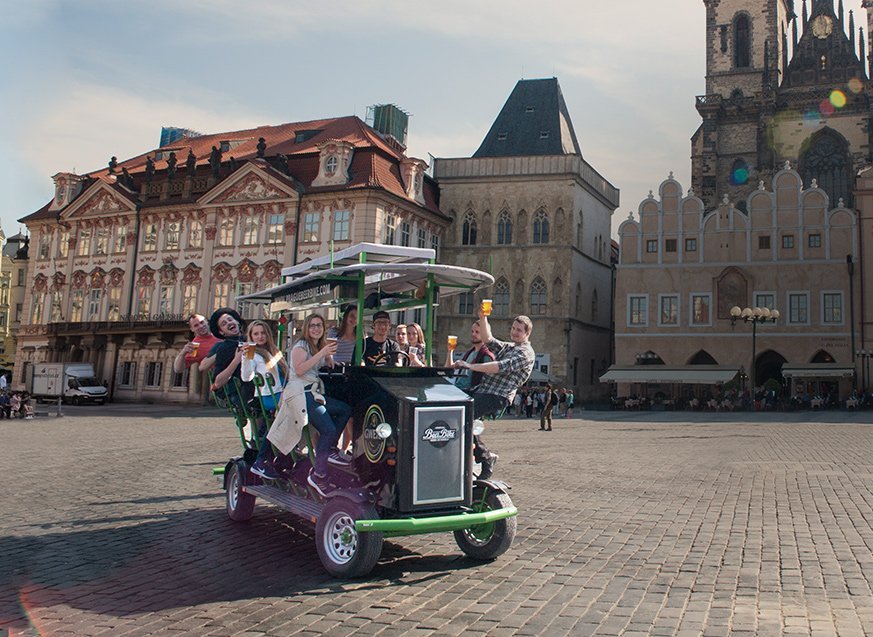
(240, 505)
(487, 541)
(344, 551)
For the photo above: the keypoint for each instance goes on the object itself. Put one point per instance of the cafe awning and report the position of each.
(817, 370)
(691, 374)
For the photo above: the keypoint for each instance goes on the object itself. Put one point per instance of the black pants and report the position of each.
(485, 405)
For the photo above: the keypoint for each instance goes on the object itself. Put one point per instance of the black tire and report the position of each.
(240, 505)
(487, 541)
(343, 551)
(77, 401)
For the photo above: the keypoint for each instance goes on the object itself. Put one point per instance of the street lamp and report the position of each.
(866, 354)
(754, 316)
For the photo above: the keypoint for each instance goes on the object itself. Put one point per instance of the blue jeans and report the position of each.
(329, 420)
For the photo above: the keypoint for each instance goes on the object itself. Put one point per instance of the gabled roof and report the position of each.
(533, 121)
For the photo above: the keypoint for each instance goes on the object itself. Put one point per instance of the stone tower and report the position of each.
(781, 87)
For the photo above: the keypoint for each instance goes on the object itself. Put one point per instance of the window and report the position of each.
(435, 244)
(544, 134)
(538, 296)
(501, 137)
(765, 299)
(638, 310)
(143, 301)
(113, 304)
(500, 299)
(341, 222)
(189, 299)
(77, 302)
(57, 313)
(101, 245)
(83, 246)
(764, 242)
(165, 300)
(180, 381)
(652, 245)
(422, 238)
(36, 308)
(330, 164)
(700, 305)
(128, 374)
(832, 307)
(465, 303)
(63, 244)
(172, 236)
(276, 228)
(154, 371)
(44, 247)
(405, 232)
(541, 227)
(742, 41)
(504, 229)
(669, 245)
(690, 245)
(390, 229)
(220, 294)
(788, 241)
(815, 241)
(311, 221)
(119, 239)
(668, 313)
(225, 233)
(250, 232)
(150, 238)
(94, 298)
(195, 235)
(798, 308)
(19, 308)
(468, 230)
(21, 277)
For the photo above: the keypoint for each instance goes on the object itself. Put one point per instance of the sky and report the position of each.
(90, 79)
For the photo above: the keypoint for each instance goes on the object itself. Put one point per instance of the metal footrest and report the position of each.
(294, 503)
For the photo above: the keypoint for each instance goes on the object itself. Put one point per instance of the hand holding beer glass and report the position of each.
(193, 347)
(486, 307)
(452, 342)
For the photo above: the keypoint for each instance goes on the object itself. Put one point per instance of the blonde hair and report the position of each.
(269, 351)
(419, 333)
(314, 346)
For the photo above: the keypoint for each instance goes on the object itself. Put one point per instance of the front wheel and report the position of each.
(344, 551)
(240, 505)
(487, 541)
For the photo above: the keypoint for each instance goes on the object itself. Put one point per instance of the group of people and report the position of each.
(237, 354)
(546, 402)
(15, 404)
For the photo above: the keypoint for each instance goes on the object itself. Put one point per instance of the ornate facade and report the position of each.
(121, 257)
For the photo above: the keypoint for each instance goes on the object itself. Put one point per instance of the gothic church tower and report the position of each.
(780, 87)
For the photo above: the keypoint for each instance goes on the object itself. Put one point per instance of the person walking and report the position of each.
(546, 416)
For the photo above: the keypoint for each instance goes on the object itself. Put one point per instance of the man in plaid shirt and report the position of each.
(503, 376)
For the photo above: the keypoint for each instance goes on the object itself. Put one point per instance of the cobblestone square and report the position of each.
(630, 523)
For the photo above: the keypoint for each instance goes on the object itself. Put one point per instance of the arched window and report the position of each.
(541, 227)
(468, 232)
(742, 41)
(501, 298)
(538, 296)
(504, 229)
(594, 307)
(827, 161)
(578, 300)
(739, 172)
(579, 228)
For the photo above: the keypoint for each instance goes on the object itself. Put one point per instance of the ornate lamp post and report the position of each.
(754, 316)
(865, 354)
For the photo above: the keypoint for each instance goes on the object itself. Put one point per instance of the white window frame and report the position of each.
(661, 298)
(275, 228)
(645, 309)
(757, 300)
(342, 225)
(95, 304)
(311, 221)
(839, 293)
(788, 295)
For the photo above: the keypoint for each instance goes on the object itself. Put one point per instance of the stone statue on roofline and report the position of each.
(150, 168)
(113, 164)
(215, 161)
(232, 163)
(126, 179)
(171, 166)
(262, 146)
(191, 163)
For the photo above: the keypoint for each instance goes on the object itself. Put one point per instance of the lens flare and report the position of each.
(826, 107)
(739, 176)
(837, 98)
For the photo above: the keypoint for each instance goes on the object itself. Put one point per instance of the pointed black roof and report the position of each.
(534, 121)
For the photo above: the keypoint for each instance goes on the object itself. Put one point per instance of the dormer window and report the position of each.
(412, 172)
(501, 137)
(334, 161)
(330, 165)
(544, 134)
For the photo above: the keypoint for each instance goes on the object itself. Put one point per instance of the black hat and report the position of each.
(381, 314)
(213, 320)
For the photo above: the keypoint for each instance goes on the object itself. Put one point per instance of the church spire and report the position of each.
(805, 16)
(840, 13)
(852, 31)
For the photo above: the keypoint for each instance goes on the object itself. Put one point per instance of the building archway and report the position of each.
(702, 357)
(821, 356)
(769, 365)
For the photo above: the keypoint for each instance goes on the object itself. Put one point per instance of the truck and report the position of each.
(72, 382)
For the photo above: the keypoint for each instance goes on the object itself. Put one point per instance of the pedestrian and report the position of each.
(514, 361)
(570, 403)
(546, 416)
(562, 403)
(529, 404)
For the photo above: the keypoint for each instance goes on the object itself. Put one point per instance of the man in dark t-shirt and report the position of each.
(379, 343)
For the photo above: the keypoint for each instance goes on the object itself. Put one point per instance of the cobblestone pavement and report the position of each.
(630, 524)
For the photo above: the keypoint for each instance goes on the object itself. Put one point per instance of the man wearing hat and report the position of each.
(227, 325)
(379, 343)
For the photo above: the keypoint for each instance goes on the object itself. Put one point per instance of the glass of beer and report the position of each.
(250, 350)
(193, 353)
(486, 307)
(453, 342)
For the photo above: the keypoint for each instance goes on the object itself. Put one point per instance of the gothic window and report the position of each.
(501, 298)
(594, 307)
(541, 227)
(538, 296)
(504, 229)
(468, 231)
(827, 161)
(742, 41)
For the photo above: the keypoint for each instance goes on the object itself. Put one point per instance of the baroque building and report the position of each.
(122, 256)
(529, 209)
(771, 220)
(14, 277)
